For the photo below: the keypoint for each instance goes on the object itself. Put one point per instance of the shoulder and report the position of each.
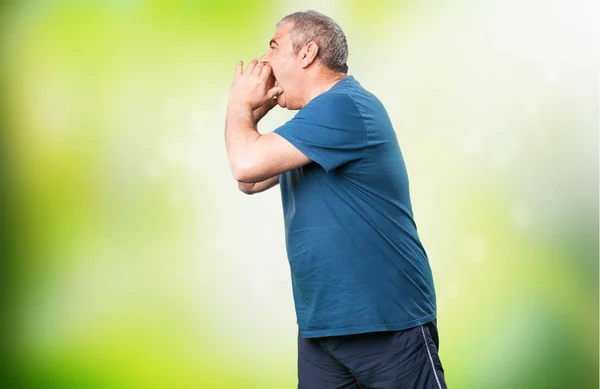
(328, 98)
(330, 105)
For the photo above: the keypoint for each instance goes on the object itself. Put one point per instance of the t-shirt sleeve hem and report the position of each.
(304, 149)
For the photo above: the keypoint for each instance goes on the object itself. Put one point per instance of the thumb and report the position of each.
(274, 92)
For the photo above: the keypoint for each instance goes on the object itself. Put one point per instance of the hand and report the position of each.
(254, 87)
(261, 111)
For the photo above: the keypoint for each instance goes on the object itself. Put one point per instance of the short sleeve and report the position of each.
(329, 130)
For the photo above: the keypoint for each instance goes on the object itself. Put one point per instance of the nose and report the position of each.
(265, 58)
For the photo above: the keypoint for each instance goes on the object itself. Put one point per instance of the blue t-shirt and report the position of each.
(356, 260)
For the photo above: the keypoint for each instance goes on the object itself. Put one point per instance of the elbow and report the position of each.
(249, 193)
(244, 172)
(246, 188)
(240, 174)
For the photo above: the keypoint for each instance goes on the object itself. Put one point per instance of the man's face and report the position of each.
(285, 66)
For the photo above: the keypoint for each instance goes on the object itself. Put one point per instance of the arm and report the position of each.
(257, 187)
(254, 157)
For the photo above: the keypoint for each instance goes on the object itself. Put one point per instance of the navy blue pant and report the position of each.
(405, 359)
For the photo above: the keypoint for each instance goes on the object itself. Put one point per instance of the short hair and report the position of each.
(327, 34)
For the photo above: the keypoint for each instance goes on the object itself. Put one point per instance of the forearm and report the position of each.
(257, 187)
(240, 134)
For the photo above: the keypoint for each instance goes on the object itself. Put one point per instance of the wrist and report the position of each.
(239, 105)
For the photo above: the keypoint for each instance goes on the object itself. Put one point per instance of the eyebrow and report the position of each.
(273, 41)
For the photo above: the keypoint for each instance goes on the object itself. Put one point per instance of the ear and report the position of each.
(308, 54)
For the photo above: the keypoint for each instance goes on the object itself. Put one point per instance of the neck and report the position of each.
(320, 83)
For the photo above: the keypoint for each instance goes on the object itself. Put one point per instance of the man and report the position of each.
(363, 289)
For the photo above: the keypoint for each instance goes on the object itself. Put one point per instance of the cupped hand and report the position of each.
(254, 86)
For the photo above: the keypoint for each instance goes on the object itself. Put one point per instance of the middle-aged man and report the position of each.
(363, 289)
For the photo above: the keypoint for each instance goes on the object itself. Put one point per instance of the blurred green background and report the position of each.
(130, 260)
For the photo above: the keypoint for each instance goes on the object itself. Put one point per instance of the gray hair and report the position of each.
(327, 34)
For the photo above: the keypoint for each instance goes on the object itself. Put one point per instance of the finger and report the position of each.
(251, 66)
(270, 80)
(271, 103)
(261, 111)
(275, 91)
(265, 71)
(258, 69)
(239, 69)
